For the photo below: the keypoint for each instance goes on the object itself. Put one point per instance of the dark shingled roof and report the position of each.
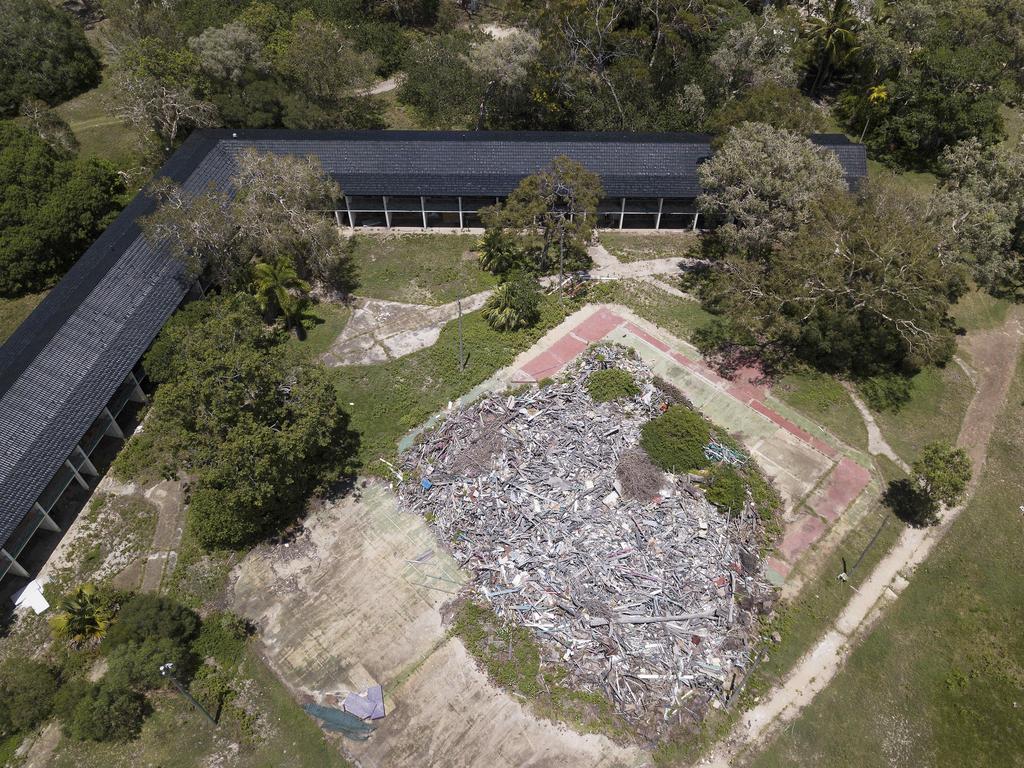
(67, 359)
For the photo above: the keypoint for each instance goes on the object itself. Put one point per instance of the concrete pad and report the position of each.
(658, 344)
(777, 570)
(448, 714)
(844, 485)
(800, 536)
(791, 463)
(344, 597)
(545, 364)
(343, 608)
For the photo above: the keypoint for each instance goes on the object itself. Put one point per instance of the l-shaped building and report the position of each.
(69, 371)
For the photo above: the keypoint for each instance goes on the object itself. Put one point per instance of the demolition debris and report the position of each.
(651, 602)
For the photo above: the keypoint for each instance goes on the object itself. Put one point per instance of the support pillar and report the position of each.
(461, 226)
(423, 210)
(622, 213)
(86, 465)
(15, 568)
(78, 478)
(387, 213)
(348, 209)
(46, 522)
(137, 394)
(695, 217)
(113, 428)
(337, 218)
(657, 221)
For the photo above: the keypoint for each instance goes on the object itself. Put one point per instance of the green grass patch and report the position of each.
(938, 401)
(679, 316)
(262, 718)
(322, 322)
(944, 669)
(611, 384)
(387, 400)
(630, 246)
(14, 311)
(419, 269)
(823, 400)
(511, 657)
(8, 747)
(978, 311)
(100, 134)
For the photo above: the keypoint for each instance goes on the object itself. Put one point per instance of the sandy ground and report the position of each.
(994, 355)
(343, 608)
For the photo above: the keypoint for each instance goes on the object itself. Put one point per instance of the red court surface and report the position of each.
(844, 485)
(800, 534)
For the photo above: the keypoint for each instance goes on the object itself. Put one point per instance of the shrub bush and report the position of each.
(888, 392)
(27, 690)
(222, 637)
(137, 665)
(611, 384)
(726, 489)
(675, 440)
(514, 304)
(147, 616)
(105, 712)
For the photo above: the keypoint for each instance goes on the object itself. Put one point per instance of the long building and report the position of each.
(72, 367)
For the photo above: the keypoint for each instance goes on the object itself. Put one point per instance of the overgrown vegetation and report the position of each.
(611, 384)
(261, 410)
(675, 440)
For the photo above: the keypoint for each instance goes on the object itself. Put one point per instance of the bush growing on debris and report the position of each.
(611, 384)
(726, 489)
(675, 440)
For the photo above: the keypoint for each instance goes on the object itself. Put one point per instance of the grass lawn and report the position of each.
(938, 401)
(99, 133)
(823, 399)
(680, 317)
(631, 246)
(939, 681)
(324, 322)
(977, 311)
(14, 311)
(275, 732)
(419, 269)
(387, 400)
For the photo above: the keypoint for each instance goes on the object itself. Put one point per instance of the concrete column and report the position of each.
(657, 221)
(47, 521)
(137, 395)
(15, 568)
(113, 429)
(387, 213)
(695, 217)
(622, 213)
(78, 478)
(87, 465)
(423, 210)
(460, 213)
(348, 209)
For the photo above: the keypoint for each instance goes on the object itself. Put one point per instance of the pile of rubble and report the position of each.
(650, 602)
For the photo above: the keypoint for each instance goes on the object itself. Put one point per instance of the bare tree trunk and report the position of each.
(482, 112)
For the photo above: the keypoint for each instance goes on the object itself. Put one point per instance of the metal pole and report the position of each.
(167, 670)
(462, 356)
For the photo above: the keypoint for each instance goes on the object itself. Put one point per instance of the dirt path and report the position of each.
(995, 355)
(877, 445)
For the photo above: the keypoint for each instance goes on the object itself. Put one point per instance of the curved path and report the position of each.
(383, 330)
(995, 355)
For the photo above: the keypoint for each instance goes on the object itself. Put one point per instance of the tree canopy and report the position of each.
(53, 206)
(259, 431)
(43, 55)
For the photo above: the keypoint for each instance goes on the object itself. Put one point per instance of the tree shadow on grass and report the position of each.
(911, 504)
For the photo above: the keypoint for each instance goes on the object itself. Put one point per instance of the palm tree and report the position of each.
(835, 36)
(84, 616)
(280, 290)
